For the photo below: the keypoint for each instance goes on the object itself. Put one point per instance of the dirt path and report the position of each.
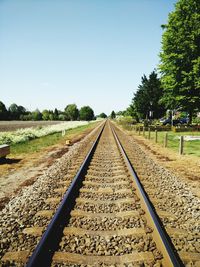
(15, 173)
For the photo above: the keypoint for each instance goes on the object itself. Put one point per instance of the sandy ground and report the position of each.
(15, 173)
(186, 167)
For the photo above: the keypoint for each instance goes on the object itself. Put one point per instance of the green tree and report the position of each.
(86, 113)
(36, 115)
(113, 115)
(131, 111)
(121, 113)
(51, 116)
(146, 101)
(140, 100)
(13, 111)
(61, 117)
(26, 117)
(180, 57)
(3, 111)
(22, 110)
(16, 111)
(55, 114)
(45, 115)
(102, 115)
(72, 112)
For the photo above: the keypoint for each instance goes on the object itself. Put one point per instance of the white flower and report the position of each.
(22, 135)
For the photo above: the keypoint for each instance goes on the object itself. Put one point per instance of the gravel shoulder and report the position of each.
(185, 167)
(174, 195)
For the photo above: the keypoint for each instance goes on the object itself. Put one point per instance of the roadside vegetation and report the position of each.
(39, 144)
(173, 142)
(24, 135)
(190, 145)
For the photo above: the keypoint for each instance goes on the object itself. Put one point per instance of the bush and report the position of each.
(196, 120)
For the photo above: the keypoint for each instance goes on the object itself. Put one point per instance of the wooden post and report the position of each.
(156, 136)
(165, 139)
(149, 133)
(139, 130)
(143, 131)
(181, 145)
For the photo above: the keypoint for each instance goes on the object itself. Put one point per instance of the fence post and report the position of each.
(165, 139)
(143, 130)
(139, 130)
(156, 136)
(149, 133)
(181, 145)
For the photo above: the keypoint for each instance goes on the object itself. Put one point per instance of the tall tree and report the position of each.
(14, 112)
(146, 101)
(180, 57)
(55, 114)
(113, 115)
(86, 113)
(72, 112)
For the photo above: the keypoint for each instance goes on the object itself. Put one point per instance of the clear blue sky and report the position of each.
(88, 52)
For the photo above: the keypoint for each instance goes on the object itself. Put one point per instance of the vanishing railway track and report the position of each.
(105, 217)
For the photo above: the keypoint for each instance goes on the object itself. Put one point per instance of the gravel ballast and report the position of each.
(20, 212)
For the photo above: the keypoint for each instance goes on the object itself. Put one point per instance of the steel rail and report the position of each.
(49, 243)
(171, 256)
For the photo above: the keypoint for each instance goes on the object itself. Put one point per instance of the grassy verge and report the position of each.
(38, 144)
(190, 147)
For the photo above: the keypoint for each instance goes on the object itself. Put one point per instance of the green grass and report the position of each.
(38, 144)
(190, 147)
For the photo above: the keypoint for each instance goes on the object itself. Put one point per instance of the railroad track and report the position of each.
(105, 217)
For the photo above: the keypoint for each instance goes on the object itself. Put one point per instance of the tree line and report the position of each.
(70, 113)
(176, 86)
